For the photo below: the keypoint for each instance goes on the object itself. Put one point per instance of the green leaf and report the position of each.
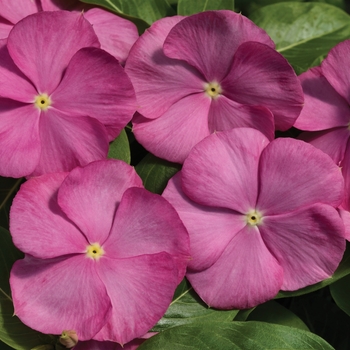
(340, 291)
(234, 335)
(342, 271)
(273, 312)
(188, 308)
(156, 172)
(149, 11)
(119, 148)
(12, 331)
(186, 8)
(303, 32)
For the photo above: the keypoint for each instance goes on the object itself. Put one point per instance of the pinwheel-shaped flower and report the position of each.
(326, 115)
(261, 216)
(62, 99)
(212, 71)
(115, 34)
(103, 255)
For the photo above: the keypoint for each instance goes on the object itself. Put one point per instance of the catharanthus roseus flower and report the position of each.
(115, 34)
(261, 216)
(208, 72)
(326, 115)
(103, 255)
(62, 99)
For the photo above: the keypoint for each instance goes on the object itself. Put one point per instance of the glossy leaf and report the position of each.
(342, 271)
(340, 291)
(12, 331)
(155, 172)
(186, 8)
(234, 335)
(148, 11)
(273, 312)
(303, 32)
(188, 308)
(119, 148)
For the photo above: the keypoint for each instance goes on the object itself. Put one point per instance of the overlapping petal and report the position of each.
(20, 146)
(345, 169)
(201, 40)
(173, 135)
(13, 84)
(69, 141)
(55, 5)
(294, 174)
(159, 81)
(57, 294)
(236, 154)
(5, 28)
(324, 108)
(116, 34)
(15, 13)
(332, 141)
(34, 210)
(91, 195)
(226, 114)
(308, 244)
(331, 69)
(134, 311)
(210, 229)
(42, 45)
(96, 85)
(245, 275)
(261, 76)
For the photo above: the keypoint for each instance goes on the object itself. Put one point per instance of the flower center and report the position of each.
(253, 218)
(42, 101)
(94, 251)
(213, 89)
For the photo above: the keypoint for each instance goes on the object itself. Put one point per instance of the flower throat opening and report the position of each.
(213, 89)
(42, 101)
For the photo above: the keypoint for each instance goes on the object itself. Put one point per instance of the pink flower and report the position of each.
(261, 216)
(103, 255)
(212, 71)
(326, 115)
(62, 98)
(115, 34)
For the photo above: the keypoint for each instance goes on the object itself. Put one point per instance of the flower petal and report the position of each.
(159, 81)
(95, 84)
(210, 229)
(38, 225)
(306, 255)
(41, 45)
(5, 28)
(345, 216)
(20, 145)
(115, 33)
(345, 168)
(332, 141)
(55, 5)
(260, 76)
(174, 134)
(13, 84)
(126, 280)
(324, 108)
(145, 223)
(68, 141)
(222, 170)
(201, 40)
(294, 174)
(245, 275)
(226, 114)
(22, 9)
(90, 196)
(332, 69)
(57, 294)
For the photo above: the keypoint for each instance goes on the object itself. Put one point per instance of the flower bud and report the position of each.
(69, 338)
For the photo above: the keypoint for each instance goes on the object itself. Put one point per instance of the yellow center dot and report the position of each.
(94, 251)
(213, 89)
(42, 101)
(253, 218)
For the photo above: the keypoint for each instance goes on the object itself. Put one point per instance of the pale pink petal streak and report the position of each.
(90, 196)
(235, 155)
(308, 243)
(41, 45)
